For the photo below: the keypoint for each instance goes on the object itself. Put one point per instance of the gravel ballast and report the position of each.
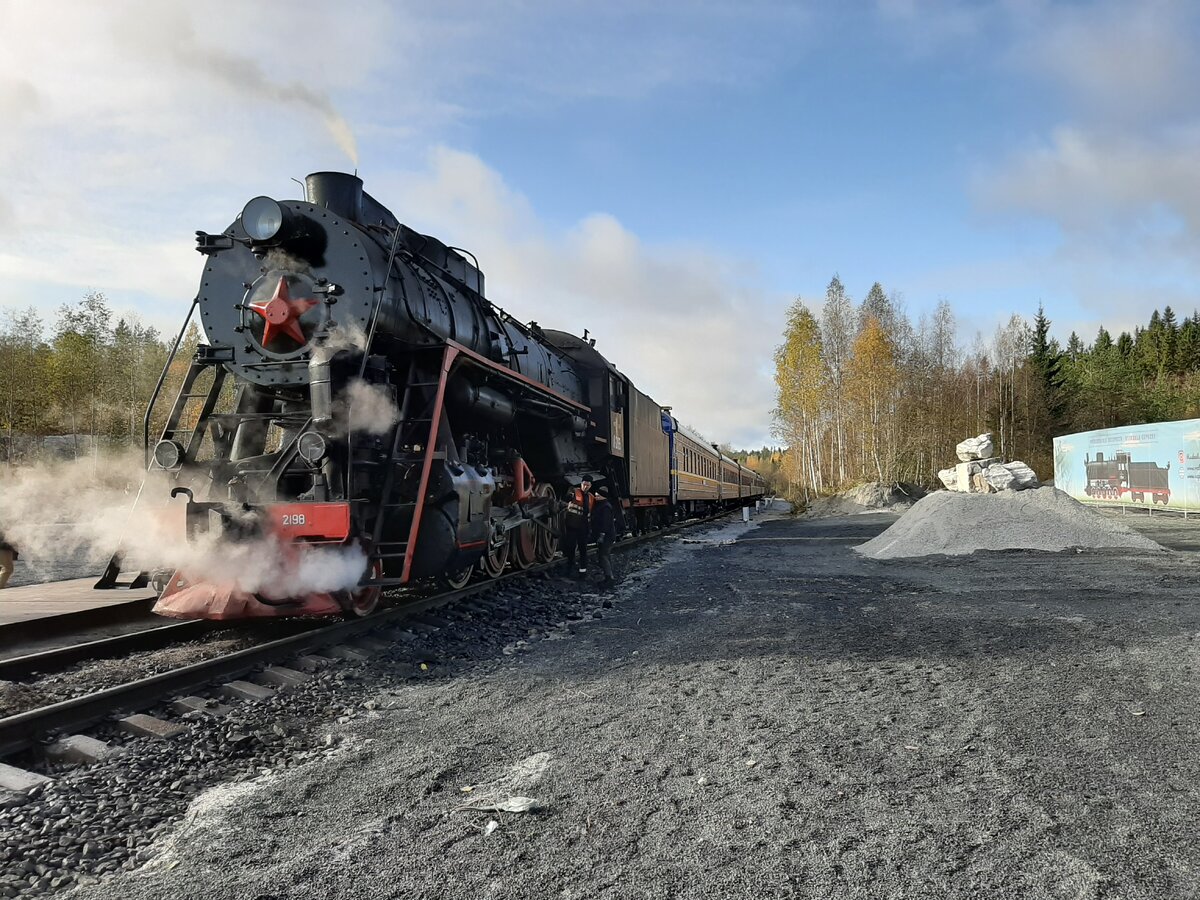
(1044, 519)
(762, 714)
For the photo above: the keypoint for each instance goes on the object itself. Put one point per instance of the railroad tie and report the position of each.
(19, 781)
(311, 662)
(244, 690)
(195, 704)
(282, 676)
(79, 749)
(143, 725)
(348, 653)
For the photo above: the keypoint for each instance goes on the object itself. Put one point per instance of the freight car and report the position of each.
(356, 389)
(1120, 477)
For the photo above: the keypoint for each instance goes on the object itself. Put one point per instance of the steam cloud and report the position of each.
(367, 408)
(84, 510)
(346, 335)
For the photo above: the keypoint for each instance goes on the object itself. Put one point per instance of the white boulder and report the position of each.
(980, 484)
(1011, 476)
(949, 477)
(975, 448)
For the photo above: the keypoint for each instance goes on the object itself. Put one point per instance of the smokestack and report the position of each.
(340, 193)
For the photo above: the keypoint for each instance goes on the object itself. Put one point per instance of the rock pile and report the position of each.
(980, 472)
(874, 496)
(955, 523)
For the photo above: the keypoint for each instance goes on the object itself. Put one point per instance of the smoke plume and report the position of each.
(63, 516)
(247, 77)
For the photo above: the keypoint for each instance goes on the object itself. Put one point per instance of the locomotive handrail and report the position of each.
(387, 270)
(362, 366)
(161, 379)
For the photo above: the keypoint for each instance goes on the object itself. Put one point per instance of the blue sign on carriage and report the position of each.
(1146, 465)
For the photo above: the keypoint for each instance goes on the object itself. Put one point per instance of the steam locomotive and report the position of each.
(1113, 479)
(357, 389)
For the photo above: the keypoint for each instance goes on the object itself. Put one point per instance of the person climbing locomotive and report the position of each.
(605, 526)
(577, 527)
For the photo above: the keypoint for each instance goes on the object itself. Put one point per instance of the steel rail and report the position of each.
(55, 659)
(32, 727)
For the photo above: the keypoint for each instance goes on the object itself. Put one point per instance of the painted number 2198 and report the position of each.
(294, 519)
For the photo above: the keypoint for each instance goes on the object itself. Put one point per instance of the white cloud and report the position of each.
(130, 125)
(1115, 175)
(1122, 61)
(1089, 182)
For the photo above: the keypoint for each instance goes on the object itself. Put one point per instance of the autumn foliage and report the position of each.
(865, 395)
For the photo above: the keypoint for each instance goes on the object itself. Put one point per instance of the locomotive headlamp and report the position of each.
(311, 447)
(262, 218)
(168, 454)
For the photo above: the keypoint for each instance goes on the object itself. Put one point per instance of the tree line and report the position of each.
(89, 375)
(865, 394)
(86, 381)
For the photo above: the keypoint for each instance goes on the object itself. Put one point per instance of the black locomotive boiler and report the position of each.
(355, 388)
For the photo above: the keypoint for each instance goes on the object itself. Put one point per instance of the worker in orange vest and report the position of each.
(577, 527)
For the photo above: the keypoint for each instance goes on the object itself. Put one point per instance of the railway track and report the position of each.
(56, 659)
(36, 726)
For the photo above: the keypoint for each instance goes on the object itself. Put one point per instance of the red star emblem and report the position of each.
(282, 314)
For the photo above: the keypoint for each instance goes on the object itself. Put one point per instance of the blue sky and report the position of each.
(641, 170)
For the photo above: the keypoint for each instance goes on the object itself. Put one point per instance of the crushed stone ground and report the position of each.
(1045, 519)
(874, 496)
(771, 717)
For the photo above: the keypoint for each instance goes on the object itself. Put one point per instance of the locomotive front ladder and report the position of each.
(175, 428)
(421, 413)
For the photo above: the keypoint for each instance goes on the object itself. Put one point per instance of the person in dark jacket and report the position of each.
(577, 527)
(604, 533)
(8, 555)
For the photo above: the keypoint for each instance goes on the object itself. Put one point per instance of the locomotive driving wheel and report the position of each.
(365, 600)
(493, 562)
(547, 538)
(457, 578)
(523, 550)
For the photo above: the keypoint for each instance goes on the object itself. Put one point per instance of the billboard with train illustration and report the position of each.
(1145, 465)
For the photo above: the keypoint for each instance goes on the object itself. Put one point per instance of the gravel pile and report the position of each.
(874, 496)
(1046, 519)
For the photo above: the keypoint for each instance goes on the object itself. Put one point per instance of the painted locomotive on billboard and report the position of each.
(1148, 465)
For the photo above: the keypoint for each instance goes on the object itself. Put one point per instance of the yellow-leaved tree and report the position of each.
(871, 384)
(800, 379)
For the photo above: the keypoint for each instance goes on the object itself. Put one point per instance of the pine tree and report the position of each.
(1170, 338)
(1075, 347)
